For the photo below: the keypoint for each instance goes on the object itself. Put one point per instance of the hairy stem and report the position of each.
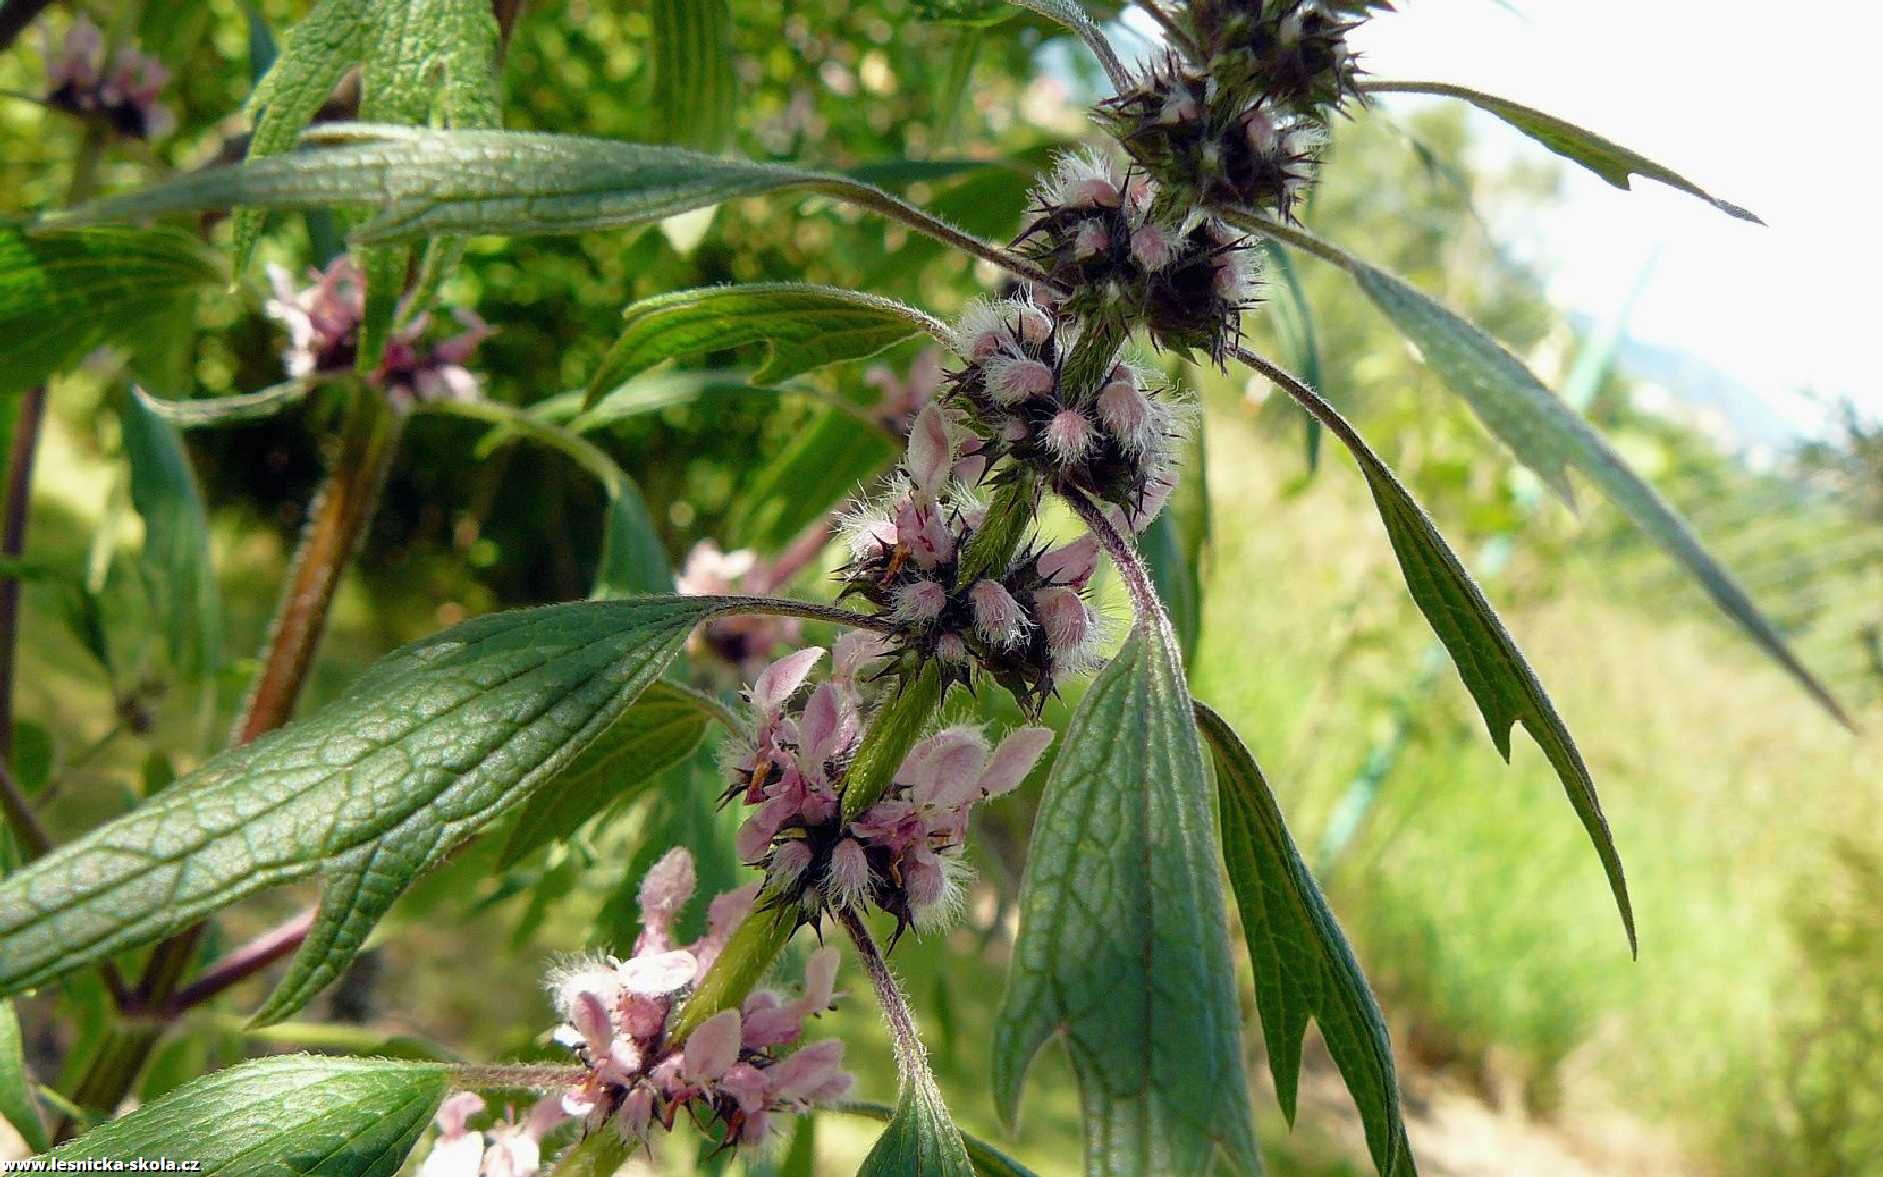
(904, 1038)
(543, 1077)
(994, 542)
(1124, 554)
(368, 441)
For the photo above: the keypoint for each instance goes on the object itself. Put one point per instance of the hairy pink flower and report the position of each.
(998, 618)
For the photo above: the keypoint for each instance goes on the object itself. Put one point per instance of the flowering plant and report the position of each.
(945, 581)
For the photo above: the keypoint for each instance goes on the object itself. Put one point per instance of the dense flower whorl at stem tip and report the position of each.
(903, 853)
(732, 1074)
(323, 322)
(1293, 52)
(124, 91)
(1094, 230)
(511, 1147)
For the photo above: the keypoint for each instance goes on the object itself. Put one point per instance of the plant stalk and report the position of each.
(24, 447)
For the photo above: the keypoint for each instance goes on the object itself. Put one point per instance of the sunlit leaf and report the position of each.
(1611, 161)
(175, 558)
(657, 732)
(695, 87)
(921, 1139)
(1124, 946)
(1548, 436)
(64, 294)
(432, 743)
(987, 1160)
(287, 1115)
(17, 1105)
(802, 327)
(1303, 966)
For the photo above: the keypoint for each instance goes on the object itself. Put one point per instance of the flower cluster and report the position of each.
(904, 853)
(1027, 622)
(123, 91)
(1292, 52)
(323, 322)
(736, 1073)
(508, 1148)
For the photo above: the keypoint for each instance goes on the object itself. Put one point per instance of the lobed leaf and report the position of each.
(1607, 159)
(1494, 670)
(802, 327)
(64, 294)
(1123, 944)
(176, 558)
(657, 732)
(1303, 965)
(289, 1114)
(432, 743)
(1548, 436)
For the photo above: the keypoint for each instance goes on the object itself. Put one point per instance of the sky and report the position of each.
(1771, 113)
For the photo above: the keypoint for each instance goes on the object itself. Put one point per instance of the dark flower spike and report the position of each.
(1291, 53)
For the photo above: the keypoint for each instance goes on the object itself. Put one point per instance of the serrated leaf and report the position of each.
(802, 327)
(695, 86)
(1548, 436)
(513, 183)
(658, 731)
(414, 56)
(987, 1160)
(17, 1106)
(175, 557)
(290, 1114)
(1494, 670)
(1303, 965)
(1123, 945)
(433, 742)
(64, 294)
(921, 1139)
(1611, 161)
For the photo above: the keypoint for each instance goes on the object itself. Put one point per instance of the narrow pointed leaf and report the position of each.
(658, 731)
(1549, 437)
(1494, 670)
(227, 410)
(287, 1115)
(17, 1105)
(802, 327)
(1303, 965)
(427, 183)
(432, 743)
(1609, 160)
(64, 294)
(176, 557)
(1123, 945)
(696, 89)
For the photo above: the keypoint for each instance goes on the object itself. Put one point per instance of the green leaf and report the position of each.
(514, 183)
(17, 1106)
(632, 558)
(829, 459)
(176, 558)
(1611, 161)
(657, 732)
(64, 294)
(415, 57)
(803, 327)
(1124, 945)
(433, 742)
(290, 1114)
(1548, 436)
(1294, 326)
(652, 393)
(921, 1140)
(987, 1160)
(1303, 965)
(1494, 670)
(227, 410)
(695, 87)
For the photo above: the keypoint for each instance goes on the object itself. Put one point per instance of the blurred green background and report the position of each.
(1748, 1037)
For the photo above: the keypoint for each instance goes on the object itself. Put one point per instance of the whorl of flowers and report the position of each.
(1026, 623)
(1293, 52)
(1117, 442)
(123, 91)
(904, 853)
(735, 1074)
(508, 1148)
(323, 322)
(1096, 231)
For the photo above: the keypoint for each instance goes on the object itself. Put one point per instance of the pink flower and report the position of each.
(1125, 412)
(921, 530)
(1092, 240)
(1069, 435)
(666, 888)
(930, 452)
(1011, 380)
(458, 1152)
(712, 1048)
(1072, 564)
(998, 618)
(1153, 246)
(919, 601)
(1066, 619)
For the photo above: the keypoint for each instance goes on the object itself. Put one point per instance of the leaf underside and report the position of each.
(432, 743)
(290, 1114)
(1302, 963)
(1123, 944)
